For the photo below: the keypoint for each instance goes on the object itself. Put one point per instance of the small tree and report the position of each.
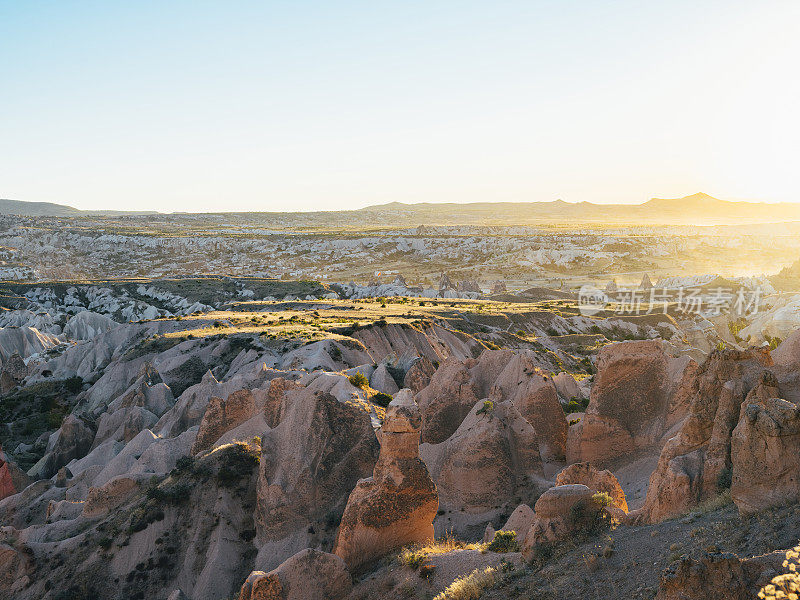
(359, 380)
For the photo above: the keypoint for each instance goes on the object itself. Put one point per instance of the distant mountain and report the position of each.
(36, 209)
(49, 209)
(697, 209)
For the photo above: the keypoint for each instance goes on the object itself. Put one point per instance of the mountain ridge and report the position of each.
(26, 208)
(695, 209)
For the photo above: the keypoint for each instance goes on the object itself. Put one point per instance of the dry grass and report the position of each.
(787, 585)
(715, 503)
(472, 586)
(415, 556)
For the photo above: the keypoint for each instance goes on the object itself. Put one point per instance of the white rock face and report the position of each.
(87, 325)
(25, 341)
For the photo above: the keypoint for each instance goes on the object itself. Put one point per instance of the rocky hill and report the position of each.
(388, 448)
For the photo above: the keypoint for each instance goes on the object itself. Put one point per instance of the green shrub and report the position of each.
(488, 407)
(73, 384)
(590, 516)
(184, 463)
(504, 541)
(724, 479)
(359, 380)
(381, 399)
(174, 494)
(575, 405)
(603, 499)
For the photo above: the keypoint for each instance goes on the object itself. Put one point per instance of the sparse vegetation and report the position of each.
(414, 556)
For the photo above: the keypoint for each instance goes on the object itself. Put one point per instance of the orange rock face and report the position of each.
(596, 480)
(396, 506)
(639, 393)
(692, 464)
(223, 415)
(764, 452)
(717, 576)
(12, 479)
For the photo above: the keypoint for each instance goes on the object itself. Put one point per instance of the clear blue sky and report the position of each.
(320, 105)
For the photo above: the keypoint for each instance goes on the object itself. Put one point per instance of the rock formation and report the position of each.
(639, 393)
(397, 505)
(556, 515)
(487, 467)
(718, 576)
(309, 465)
(72, 440)
(12, 478)
(497, 375)
(596, 480)
(275, 404)
(419, 375)
(447, 400)
(534, 394)
(308, 575)
(765, 447)
(499, 287)
(519, 522)
(692, 464)
(222, 416)
(383, 381)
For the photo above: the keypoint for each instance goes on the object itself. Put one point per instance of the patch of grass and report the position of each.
(414, 556)
(712, 504)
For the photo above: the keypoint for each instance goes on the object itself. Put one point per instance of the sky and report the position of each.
(205, 106)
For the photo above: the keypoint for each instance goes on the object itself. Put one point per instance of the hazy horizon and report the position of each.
(199, 107)
(432, 202)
